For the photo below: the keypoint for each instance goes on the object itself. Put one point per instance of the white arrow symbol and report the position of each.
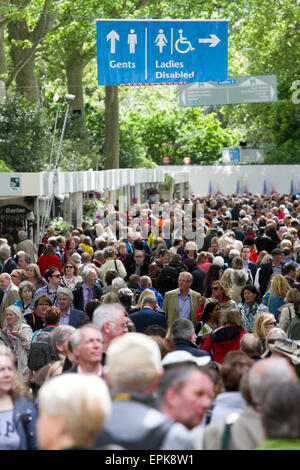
(213, 41)
(112, 37)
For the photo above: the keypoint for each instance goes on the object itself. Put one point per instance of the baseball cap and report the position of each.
(177, 357)
(133, 357)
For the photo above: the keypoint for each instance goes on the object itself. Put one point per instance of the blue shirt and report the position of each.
(88, 293)
(65, 319)
(184, 305)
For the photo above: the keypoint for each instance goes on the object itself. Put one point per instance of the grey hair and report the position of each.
(26, 285)
(149, 299)
(239, 277)
(6, 275)
(5, 249)
(280, 415)
(22, 254)
(60, 333)
(182, 328)
(125, 293)
(109, 252)
(233, 253)
(35, 267)
(107, 313)
(98, 255)
(65, 291)
(264, 375)
(174, 377)
(85, 273)
(118, 283)
(75, 338)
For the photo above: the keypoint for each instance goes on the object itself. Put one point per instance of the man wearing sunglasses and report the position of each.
(53, 278)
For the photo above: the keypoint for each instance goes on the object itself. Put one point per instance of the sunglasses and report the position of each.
(56, 275)
(14, 275)
(215, 288)
(271, 323)
(69, 267)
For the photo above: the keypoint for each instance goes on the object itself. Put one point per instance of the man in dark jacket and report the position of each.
(148, 315)
(69, 316)
(137, 263)
(263, 242)
(198, 275)
(184, 337)
(88, 290)
(168, 277)
(270, 269)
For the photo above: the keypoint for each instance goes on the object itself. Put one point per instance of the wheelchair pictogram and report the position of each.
(183, 41)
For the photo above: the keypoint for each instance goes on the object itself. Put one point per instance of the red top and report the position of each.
(45, 262)
(222, 340)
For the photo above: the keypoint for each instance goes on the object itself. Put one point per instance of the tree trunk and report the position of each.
(2, 52)
(26, 78)
(112, 130)
(74, 71)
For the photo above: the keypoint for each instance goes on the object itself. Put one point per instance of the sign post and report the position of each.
(235, 90)
(131, 52)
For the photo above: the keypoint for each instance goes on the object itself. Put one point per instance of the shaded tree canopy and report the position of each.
(48, 47)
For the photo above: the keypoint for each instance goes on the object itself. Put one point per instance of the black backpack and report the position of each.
(153, 440)
(41, 350)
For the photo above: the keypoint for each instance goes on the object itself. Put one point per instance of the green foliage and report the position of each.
(60, 226)
(264, 38)
(180, 133)
(24, 135)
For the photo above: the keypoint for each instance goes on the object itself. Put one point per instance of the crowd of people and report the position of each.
(174, 327)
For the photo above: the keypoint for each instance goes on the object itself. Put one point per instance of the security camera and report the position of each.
(70, 97)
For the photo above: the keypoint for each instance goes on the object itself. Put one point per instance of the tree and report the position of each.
(24, 135)
(24, 42)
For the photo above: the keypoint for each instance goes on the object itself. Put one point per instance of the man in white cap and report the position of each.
(133, 371)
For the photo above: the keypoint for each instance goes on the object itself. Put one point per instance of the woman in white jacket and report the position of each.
(18, 334)
(111, 263)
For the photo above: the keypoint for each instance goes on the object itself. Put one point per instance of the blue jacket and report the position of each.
(273, 303)
(25, 416)
(77, 317)
(159, 297)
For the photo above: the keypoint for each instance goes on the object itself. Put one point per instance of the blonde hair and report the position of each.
(53, 368)
(82, 400)
(259, 328)
(292, 296)
(286, 244)
(143, 295)
(227, 278)
(18, 388)
(110, 298)
(261, 256)
(237, 263)
(279, 286)
(232, 316)
(223, 286)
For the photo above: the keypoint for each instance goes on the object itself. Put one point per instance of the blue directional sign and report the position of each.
(161, 51)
